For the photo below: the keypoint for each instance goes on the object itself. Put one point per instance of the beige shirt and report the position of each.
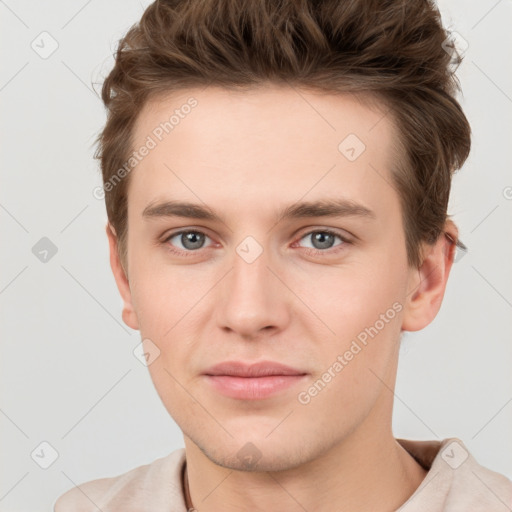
(455, 482)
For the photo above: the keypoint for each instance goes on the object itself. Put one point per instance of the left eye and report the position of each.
(323, 239)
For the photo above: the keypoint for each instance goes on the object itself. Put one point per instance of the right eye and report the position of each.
(190, 240)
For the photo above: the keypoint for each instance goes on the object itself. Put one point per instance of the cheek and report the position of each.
(364, 310)
(363, 306)
(175, 391)
(349, 298)
(163, 295)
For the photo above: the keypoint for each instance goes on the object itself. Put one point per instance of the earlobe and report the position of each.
(129, 315)
(427, 283)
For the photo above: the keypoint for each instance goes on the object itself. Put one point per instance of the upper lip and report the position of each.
(260, 369)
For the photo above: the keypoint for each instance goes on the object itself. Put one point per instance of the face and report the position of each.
(301, 261)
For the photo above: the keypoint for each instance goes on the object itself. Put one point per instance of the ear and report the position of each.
(427, 283)
(129, 315)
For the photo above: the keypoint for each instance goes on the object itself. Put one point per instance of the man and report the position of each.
(276, 178)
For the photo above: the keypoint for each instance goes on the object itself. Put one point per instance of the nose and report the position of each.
(252, 300)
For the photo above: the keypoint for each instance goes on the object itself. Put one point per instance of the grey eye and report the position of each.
(190, 240)
(322, 239)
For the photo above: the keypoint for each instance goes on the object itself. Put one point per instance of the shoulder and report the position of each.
(455, 480)
(473, 485)
(156, 485)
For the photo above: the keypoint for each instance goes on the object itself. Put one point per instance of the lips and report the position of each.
(257, 381)
(261, 369)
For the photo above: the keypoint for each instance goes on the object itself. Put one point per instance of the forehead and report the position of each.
(268, 142)
(260, 111)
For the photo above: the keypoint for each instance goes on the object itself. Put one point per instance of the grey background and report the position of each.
(68, 373)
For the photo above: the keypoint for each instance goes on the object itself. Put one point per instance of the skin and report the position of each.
(247, 155)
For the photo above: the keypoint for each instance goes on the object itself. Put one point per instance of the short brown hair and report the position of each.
(391, 49)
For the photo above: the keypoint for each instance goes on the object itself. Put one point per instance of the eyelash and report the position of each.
(308, 250)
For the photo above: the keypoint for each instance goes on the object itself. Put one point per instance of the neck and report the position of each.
(362, 473)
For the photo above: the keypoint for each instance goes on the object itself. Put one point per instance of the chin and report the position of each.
(256, 453)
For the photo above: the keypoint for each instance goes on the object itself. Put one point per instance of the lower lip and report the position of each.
(252, 388)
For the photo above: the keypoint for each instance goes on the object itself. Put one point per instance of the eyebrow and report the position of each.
(320, 208)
